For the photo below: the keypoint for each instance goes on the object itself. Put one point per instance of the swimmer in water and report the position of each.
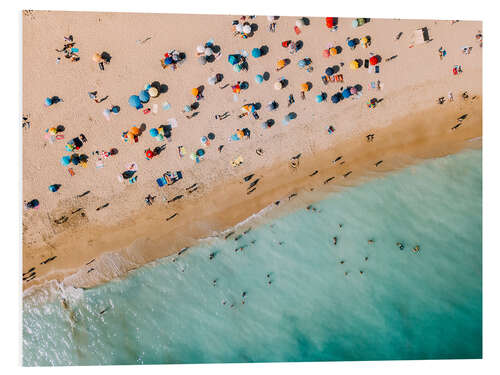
(214, 282)
(400, 245)
(366, 259)
(340, 226)
(360, 272)
(334, 240)
(416, 249)
(341, 262)
(243, 294)
(211, 256)
(371, 241)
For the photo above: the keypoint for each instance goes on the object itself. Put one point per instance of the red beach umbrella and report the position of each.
(373, 60)
(329, 22)
(149, 154)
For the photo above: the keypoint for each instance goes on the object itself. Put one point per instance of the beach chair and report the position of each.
(161, 181)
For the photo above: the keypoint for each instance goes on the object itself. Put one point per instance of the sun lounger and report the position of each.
(71, 172)
(161, 181)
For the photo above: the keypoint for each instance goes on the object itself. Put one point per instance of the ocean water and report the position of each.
(405, 305)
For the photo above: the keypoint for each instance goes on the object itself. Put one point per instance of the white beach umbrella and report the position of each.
(299, 23)
(208, 52)
(239, 28)
(247, 29)
(200, 49)
(278, 85)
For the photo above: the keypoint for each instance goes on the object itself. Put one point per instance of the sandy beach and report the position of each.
(94, 246)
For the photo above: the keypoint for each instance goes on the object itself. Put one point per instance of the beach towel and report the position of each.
(99, 163)
(155, 109)
(166, 106)
(172, 122)
(161, 181)
(71, 172)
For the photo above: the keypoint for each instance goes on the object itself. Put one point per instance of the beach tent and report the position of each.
(144, 96)
(256, 52)
(421, 36)
(346, 93)
(135, 102)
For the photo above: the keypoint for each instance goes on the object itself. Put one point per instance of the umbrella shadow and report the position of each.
(254, 28)
(339, 50)
(309, 85)
(55, 99)
(358, 87)
(298, 45)
(257, 106)
(142, 128)
(336, 69)
(195, 106)
(200, 89)
(60, 128)
(306, 21)
(264, 50)
(244, 85)
(219, 77)
(266, 76)
(292, 115)
(270, 122)
(113, 151)
(284, 82)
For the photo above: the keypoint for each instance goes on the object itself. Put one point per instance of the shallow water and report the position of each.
(405, 305)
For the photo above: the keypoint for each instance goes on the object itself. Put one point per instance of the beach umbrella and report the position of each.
(354, 64)
(193, 156)
(48, 102)
(364, 40)
(270, 18)
(333, 51)
(204, 140)
(97, 57)
(329, 71)
(304, 87)
(326, 53)
(194, 91)
(280, 64)
(329, 22)
(53, 131)
(53, 188)
(187, 108)
(301, 63)
(134, 130)
(373, 60)
(208, 52)
(335, 99)
(259, 78)
(202, 60)
(247, 29)
(278, 85)
(149, 154)
(239, 28)
(144, 96)
(233, 59)
(153, 92)
(212, 80)
(65, 160)
(200, 152)
(355, 23)
(319, 98)
(200, 49)
(299, 23)
(256, 52)
(168, 60)
(353, 90)
(237, 68)
(351, 43)
(346, 93)
(153, 132)
(135, 102)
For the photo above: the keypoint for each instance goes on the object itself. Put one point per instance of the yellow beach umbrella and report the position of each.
(130, 136)
(280, 64)
(304, 87)
(52, 130)
(194, 92)
(153, 92)
(333, 51)
(364, 40)
(134, 130)
(278, 86)
(354, 64)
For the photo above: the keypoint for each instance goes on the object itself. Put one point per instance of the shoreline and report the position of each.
(117, 262)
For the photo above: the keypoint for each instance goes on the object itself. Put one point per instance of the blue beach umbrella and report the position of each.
(335, 98)
(346, 93)
(319, 98)
(187, 108)
(329, 71)
(302, 63)
(351, 43)
(135, 102)
(259, 78)
(65, 160)
(237, 68)
(355, 23)
(153, 132)
(48, 102)
(256, 52)
(200, 152)
(168, 61)
(144, 96)
(233, 59)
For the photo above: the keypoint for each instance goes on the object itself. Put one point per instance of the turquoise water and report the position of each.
(405, 305)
